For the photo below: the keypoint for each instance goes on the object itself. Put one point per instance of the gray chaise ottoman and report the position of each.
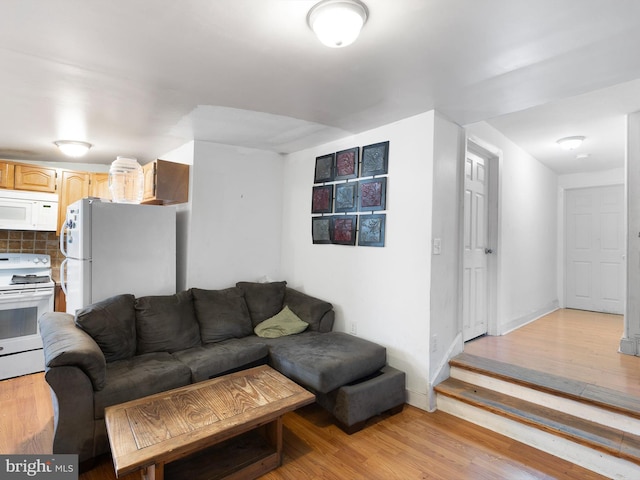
(348, 375)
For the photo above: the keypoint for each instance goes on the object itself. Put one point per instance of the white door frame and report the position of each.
(493, 157)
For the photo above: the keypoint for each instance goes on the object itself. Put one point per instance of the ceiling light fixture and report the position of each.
(337, 23)
(72, 148)
(570, 143)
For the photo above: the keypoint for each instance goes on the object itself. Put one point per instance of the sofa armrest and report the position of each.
(67, 345)
(326, 322)
(317, 313)
(73, 419)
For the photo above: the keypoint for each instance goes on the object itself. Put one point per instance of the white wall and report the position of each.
(527, 231)
(182, 154)
(630, 342)
(446, 326)
(235, 224)
(385, 291)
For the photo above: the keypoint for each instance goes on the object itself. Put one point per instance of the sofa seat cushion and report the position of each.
(138, 377)
(326, 361)
(213, 359)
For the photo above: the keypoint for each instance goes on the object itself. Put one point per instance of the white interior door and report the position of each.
(595, 264)
(476, 247)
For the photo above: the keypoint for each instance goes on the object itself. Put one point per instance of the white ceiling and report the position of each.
(141, 77)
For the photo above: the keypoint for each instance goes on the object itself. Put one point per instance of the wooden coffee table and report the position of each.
(228, 427)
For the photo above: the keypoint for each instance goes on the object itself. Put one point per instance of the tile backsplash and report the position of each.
(28, 241)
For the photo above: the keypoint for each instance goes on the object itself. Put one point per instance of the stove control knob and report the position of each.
(36, 260)
(44, 260)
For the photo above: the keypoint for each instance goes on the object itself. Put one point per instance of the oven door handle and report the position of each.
(63, 282)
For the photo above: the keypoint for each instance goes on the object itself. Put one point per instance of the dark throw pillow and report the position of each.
(112, 324)
(263, 299)
(222, 314)
(166, 323)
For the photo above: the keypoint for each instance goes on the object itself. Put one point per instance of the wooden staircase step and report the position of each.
(572, 389)
(581, 431)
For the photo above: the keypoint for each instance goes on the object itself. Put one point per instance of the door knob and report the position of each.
(488, 251)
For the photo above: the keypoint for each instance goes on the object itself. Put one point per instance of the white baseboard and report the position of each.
(522, 321)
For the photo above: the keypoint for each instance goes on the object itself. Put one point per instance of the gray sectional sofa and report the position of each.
(125, 348)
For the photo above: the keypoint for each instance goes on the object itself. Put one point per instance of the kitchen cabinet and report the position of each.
(6, 174)
(35, 178)
(73, 186)
(59, 300)
(165, 182)
(100, 186)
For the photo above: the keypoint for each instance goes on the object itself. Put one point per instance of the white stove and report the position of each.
(26, 293)
(20, 270)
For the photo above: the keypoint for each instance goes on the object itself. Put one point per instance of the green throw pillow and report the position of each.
(284, 323)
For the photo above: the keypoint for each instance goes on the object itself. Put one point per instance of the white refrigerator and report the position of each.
(115, 248)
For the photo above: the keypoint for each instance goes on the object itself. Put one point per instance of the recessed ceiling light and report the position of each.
(570, 143)
(337, 23)
(73, 148)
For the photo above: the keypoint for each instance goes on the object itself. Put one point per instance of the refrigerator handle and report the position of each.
(63, 283)
(63, 238)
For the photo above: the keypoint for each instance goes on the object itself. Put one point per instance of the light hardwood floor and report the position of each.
(410, 445)
(569, 343)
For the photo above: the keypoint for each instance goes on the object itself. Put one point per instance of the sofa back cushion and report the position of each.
(166, 323)
(112, 324)
(263, 299)
(308, 308)
(221, 314)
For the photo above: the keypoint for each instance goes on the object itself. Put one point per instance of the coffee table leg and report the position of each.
(274, 436)
(153, 472)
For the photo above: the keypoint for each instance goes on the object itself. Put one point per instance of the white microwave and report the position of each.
(23, 210)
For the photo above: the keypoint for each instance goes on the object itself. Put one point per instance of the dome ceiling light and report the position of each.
(337, 23)
(72, 148)
(570, 143)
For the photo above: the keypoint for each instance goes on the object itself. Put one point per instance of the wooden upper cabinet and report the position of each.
(35, 178)
(73, 186)
(165, 182)
(6, 174)
(149, 171)
(100, 186)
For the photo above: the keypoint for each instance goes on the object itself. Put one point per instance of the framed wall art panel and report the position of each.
(373, 194)
(346, 165)
(372, 230)
(343, 231)
(321, 229)
(346, 197)
(322, 199)
(324, 169)
(375, 159)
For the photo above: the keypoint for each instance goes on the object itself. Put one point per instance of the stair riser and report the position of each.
(596, 461)
(571, 407)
